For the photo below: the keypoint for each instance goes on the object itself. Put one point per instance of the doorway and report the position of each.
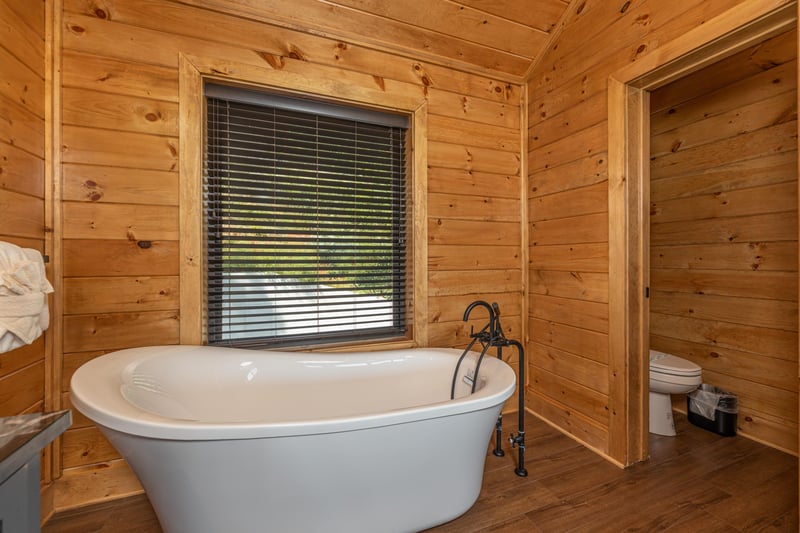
(629, 182)
(723, 231)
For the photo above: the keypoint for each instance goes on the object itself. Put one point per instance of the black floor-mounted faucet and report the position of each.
(491, 335)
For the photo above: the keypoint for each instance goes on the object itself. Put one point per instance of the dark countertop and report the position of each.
(22, 437)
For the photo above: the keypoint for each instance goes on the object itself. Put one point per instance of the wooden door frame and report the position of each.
(743, 26)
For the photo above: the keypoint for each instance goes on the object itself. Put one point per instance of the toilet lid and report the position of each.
(665, 363)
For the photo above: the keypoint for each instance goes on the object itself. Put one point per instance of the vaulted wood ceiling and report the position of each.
(502, 38)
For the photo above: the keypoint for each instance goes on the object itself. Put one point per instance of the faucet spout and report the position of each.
(481, 303)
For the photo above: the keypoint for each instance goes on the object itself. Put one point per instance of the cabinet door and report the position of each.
(19, 500)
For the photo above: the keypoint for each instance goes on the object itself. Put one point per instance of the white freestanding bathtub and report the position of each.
(231, 440)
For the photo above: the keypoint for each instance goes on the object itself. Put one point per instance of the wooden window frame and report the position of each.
(298, 78)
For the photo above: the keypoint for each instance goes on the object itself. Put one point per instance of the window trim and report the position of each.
(314, 81)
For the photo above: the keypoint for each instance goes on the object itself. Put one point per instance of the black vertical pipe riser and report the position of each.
(519, 440)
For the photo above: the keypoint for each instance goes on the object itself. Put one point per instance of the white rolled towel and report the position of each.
(23, 296)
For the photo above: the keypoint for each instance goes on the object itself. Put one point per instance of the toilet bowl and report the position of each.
(669, 375)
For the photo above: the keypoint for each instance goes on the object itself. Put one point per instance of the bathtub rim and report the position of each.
(120, 415)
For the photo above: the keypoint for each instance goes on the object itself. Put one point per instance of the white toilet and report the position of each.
(669, 375)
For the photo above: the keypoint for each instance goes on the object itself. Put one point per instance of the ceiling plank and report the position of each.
(458, 21)
(539, 14)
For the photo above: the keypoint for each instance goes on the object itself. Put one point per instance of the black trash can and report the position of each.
(713, 409)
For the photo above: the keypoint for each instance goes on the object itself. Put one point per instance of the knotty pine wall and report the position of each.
(723, 234)
(22, 178)
(567, 195)
(118, 116)
(119, 181)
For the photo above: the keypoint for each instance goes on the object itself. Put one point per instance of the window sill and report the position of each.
(396, 344)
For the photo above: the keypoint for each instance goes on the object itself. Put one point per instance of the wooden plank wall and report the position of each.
(22, 178)
(723, 234)
(120, 136)
(568, 201)
(501, 36)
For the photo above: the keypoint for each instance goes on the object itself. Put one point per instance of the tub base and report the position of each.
(401, 478)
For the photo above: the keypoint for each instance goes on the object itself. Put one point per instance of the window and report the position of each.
(305, 215)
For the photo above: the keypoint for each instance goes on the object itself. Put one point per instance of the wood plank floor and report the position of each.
(695, 482)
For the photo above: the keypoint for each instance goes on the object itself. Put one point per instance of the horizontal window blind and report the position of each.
(306, 225)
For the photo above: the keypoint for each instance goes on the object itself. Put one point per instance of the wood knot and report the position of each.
(276, 62)
(152, 117)
(101, 14)
(294, 53)
(79, 30)
(144, 245)
(95, 192)
(625, 7)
